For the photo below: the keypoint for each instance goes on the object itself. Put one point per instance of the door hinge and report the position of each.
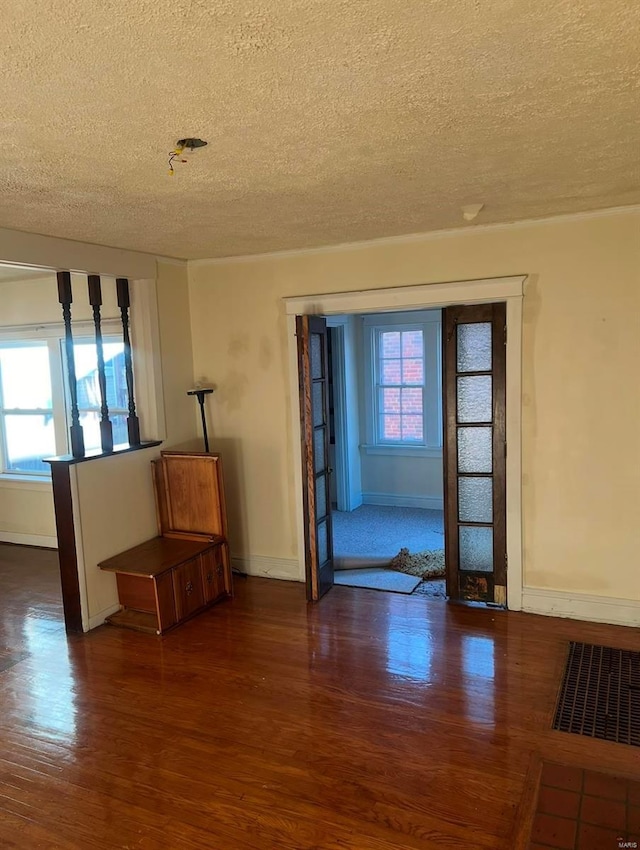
(505, 448)
(506, 560)
(505, 334)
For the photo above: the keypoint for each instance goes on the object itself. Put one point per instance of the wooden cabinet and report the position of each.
(186, 569)
(214, 575)
(165, 581)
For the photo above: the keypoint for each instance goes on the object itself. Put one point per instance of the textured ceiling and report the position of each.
(328, 120)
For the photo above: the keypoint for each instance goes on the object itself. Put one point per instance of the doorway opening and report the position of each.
(385, 450)
(479, 544)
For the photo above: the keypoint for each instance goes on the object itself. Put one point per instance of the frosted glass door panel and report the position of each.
(476, 548)
(321, 496)
(475, 500)
(316, 356)
(474, 399)
(318, 449)
(323, 551)
(474, 347)
(475, 449)
(317, 401)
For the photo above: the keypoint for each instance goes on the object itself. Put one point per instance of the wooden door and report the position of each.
(474, 351)
(313, 372)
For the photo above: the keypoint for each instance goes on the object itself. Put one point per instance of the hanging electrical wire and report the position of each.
(176, 154)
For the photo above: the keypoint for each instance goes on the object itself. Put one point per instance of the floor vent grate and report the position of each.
(600, 694)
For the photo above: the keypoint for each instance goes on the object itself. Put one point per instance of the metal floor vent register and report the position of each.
(600, 694)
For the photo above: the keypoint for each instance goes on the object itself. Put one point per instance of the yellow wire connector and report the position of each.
(174, 154)
(189, 143)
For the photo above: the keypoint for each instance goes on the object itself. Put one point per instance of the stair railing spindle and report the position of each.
(95, 299)
(133, 425)
(65, 297)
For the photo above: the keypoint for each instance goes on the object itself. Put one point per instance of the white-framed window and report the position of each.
(35, 399)
(403, 383)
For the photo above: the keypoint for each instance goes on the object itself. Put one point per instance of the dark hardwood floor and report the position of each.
(371, 721)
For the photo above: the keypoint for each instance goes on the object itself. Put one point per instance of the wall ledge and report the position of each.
(70, 460)
(581, 606)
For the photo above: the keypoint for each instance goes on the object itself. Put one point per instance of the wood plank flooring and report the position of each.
(371, 721)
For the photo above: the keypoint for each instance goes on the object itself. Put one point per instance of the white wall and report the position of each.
(580, 403)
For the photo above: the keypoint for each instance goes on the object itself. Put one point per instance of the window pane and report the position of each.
(390, 401)
(475, 499)
(390, 344)
(317, 361)
(86, 361)
(318, 449)
(26, 379)
(476, 548)
(412, 345)
(317, 403)
(321, 497)
(391, 429)
(474, 347)
(90, 421)
(412, 429)
(474, 399)
(474, 449)
(30, 437)
(391, 372)
(412, 400)
(323, 544)
(413, 372)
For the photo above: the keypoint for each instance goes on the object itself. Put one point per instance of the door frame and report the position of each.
(425, 297)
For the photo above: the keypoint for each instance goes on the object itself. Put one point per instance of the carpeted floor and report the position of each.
(377, 532)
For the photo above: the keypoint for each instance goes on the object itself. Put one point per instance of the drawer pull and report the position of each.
(209, 577)
(189, 588)
(219, 569)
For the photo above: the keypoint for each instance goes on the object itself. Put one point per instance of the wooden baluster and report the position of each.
(65, 297)
(95, 299)
(133, 425)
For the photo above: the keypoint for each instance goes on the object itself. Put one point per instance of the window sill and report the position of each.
(403, 451)
(12, 481)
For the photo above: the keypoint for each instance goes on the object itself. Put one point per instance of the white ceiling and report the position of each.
(328, 120)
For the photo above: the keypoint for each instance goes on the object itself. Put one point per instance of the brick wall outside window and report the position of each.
(401, 372)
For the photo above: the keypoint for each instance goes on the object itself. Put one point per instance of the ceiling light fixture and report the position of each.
(190, 144)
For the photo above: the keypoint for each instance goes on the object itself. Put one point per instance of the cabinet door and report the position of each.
(213, 578)
(187, 587)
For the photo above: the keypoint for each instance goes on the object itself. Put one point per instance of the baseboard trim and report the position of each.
(581, 606)
(391, 500)
(285, 569)
(42, 540)
(98, 619)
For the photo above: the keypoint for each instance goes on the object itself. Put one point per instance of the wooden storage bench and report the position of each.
(165, 580)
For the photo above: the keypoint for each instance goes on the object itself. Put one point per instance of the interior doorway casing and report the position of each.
(425, 297)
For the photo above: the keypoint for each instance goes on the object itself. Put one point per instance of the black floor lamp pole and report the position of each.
(200, 393)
